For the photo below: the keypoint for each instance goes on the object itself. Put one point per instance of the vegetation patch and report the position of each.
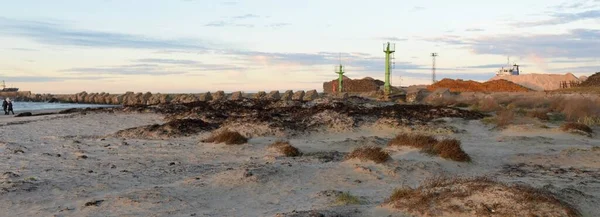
(227, 137)
(369, 153)
(413, 140)
(477, 197)
(285, 148)
(576, 127)
(447, 148)
(347, 199)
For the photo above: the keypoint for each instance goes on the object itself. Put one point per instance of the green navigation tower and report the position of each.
(340, 71)
(388, 49)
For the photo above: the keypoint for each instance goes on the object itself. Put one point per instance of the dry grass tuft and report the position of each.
(539, 114)
(227, 137)
(488, 105)
(448, 149)
(347, 199)
(285, 148)
(375, 154)
(459, 197)
(412, 140)
(575, 126)
(505, 117)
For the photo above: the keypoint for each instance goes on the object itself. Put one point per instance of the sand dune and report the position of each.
(75, 165)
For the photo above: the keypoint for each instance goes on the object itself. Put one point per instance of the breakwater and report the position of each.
(131, 98)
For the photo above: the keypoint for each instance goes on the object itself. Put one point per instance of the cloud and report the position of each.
(578, 69)
(562, 18)
(418, 8)
(168, 61)
(488, 66)
(230, 3)
(157, 67)
(246, 16)
(391, 39)
(577, 43)
(23, 49)
(227, 24)
(474, 30)
(41, 79)
(136, 69)
(278, 25)
(58, 34)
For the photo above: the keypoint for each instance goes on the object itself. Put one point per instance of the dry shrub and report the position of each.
(285, 148)
(448, 149)
(227, 137)
(539, 114)
(524, 103)
(576, 108)
(575, 126)
(375, 154)
(347, 199)
(488, 105)
(412, 140)
(505, 117)
(459, 197)
(590, 121)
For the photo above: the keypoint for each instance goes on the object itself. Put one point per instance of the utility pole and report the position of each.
(433, 55)
(388, 49)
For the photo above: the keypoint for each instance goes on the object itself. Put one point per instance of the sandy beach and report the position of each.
(78, 165)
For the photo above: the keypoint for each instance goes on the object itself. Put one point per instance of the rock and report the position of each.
(237, 95)
(311, 95)
(298, 96)
(219, 96)
(287, 95)
(53, 100)
(146, 97)
(205, 97)
(80, 96)
(260, 95)
(416, 96)
(154, 99)
(273, 95)
(338, 95)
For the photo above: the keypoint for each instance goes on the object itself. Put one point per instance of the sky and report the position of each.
(183, 46)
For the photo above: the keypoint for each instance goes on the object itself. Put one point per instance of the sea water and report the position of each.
(37, 106)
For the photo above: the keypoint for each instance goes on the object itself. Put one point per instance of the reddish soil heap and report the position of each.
(592, 81)
(474, 86)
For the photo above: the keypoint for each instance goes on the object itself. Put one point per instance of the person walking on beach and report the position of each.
(10, 107)
(5, 107)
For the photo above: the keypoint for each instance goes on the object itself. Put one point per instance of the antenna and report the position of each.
(433, 56)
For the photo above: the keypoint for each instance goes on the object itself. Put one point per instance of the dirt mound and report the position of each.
(477, 197)
(366, 84)
(474, 86)
(539, 82)
(175, 128)
(592, 81)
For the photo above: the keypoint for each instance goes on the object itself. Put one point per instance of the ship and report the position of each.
(10, 89)
(509, 70)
